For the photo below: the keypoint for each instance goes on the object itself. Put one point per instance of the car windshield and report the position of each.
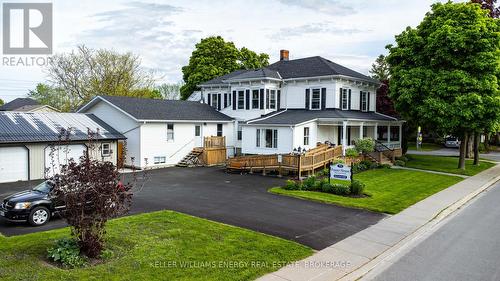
(44, 187)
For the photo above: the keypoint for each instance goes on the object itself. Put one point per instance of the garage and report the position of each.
(58, 155)
(13, 164)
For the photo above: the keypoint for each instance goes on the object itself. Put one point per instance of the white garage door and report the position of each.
(61, 155)
(13, 164)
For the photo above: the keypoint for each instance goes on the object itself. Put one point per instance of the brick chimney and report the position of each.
(284, 54)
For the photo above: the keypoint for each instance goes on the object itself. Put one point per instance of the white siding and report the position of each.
(298, 135)
(285, 134)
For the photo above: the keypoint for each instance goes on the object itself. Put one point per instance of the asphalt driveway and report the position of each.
(240, 200)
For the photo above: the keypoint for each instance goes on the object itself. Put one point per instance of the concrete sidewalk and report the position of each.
(356, 255)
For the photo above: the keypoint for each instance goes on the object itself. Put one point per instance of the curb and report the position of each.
(364, 269)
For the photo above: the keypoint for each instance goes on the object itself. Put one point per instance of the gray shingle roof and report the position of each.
(30, 127)
(219, 80)
(18, 103)
(313, 67)
(154, 109)
(297, 116)
(255, 73)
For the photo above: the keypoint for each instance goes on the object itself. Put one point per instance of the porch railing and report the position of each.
(214, 141)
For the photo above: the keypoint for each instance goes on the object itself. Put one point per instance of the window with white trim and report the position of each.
(239, 133)
(271, 138)
(197, 130)
(215, 100)
(306, 135)
(170, 132)
(257, 138)
(219, 130)
(316, 99)
(241, 99)
(160, 160)
(255, 99)
(272, 99)
(345, 99)
(106, 149)
(364, 101)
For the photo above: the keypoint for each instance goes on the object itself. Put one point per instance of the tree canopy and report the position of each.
(85, 73)
(489, 5)
(444, 72)
(213, 57)
(1, 102)
(380, 69)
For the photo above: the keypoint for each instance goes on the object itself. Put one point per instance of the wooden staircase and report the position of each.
(192, 159)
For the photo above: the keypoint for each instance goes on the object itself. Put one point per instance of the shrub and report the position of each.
(402, 158)
(338, 161)
(357, 187)
(326, 187)
(309, 183)
(67, 252)
(340, 189)
(384, 166)
(399, 163)
(351, 153)
(364, 145)
(291, 185)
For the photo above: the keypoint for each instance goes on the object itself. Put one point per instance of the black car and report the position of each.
(35, 206)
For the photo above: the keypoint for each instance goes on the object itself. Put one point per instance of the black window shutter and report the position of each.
(349, 106)
(267, 98)
(218, 101)
(247, 99)
(279, 99)
(339, 135)
(209, 99)
(323, 98)
(261, 98)
(307, 98)
(361, 100)
(225, 100)
(340, 99)
(368, 102)
(234, 100)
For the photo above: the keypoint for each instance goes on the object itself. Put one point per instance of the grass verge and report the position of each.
(157, 246)
(390, 190)
(425, 146)
(447, 164)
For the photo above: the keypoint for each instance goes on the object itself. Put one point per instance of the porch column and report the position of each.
(361, 130)
(344, 137)
(375, 131)
(388, 134)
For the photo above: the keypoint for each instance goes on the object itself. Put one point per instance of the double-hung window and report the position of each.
(257, 138)
(316, 99)
(271, 138)
(255, 99)
(219, 130)
(240, 133)
(215, 101)
(160, 160)
(306, 135)
(241, 99)
(106, 149)
(364, 101)
(170, 132)
(272, 99)
(344, 99)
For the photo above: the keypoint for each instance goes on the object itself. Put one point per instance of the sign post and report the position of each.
(340, 171)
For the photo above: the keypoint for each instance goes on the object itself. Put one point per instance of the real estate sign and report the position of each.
(340, 172)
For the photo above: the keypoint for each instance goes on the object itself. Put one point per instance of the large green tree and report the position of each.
(213, 57)
(1, 102)
(85, 73)
(444, 72)
(55, 97)
(490, 5)
(380, 69)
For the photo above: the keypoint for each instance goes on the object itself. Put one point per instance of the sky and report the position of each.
(164, 33)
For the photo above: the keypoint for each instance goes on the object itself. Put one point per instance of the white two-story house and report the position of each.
(294, 104)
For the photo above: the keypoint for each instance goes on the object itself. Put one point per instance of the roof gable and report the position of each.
(18, 103)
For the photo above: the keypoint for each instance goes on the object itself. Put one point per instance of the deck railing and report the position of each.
(214, 141)
(308, 162)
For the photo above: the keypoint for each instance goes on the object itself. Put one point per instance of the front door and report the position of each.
(198, 135)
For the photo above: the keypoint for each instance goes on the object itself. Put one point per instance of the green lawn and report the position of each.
(446, 164)
(390, 190)
(425, 146)
(157, 246)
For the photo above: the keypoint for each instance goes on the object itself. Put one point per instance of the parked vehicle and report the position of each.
(451, 142)
(35, 206)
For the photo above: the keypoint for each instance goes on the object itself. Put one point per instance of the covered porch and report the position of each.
(387, 134)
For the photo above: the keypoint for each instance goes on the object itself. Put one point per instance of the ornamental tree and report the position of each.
(444, 72)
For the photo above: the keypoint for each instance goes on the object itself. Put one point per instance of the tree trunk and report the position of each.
(466, 140)
(477, 139)
(463, 148)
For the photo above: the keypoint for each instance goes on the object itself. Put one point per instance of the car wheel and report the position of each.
(39, 216)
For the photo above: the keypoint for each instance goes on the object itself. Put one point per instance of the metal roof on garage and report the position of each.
(31, 127)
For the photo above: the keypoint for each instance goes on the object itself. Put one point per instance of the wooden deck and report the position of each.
(214, 151)
(300, 164)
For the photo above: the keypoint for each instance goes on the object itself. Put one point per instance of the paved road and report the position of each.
(466, 247)
(240, 200)
(493, 155)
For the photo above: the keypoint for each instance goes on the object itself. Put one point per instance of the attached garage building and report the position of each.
(31, 147)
